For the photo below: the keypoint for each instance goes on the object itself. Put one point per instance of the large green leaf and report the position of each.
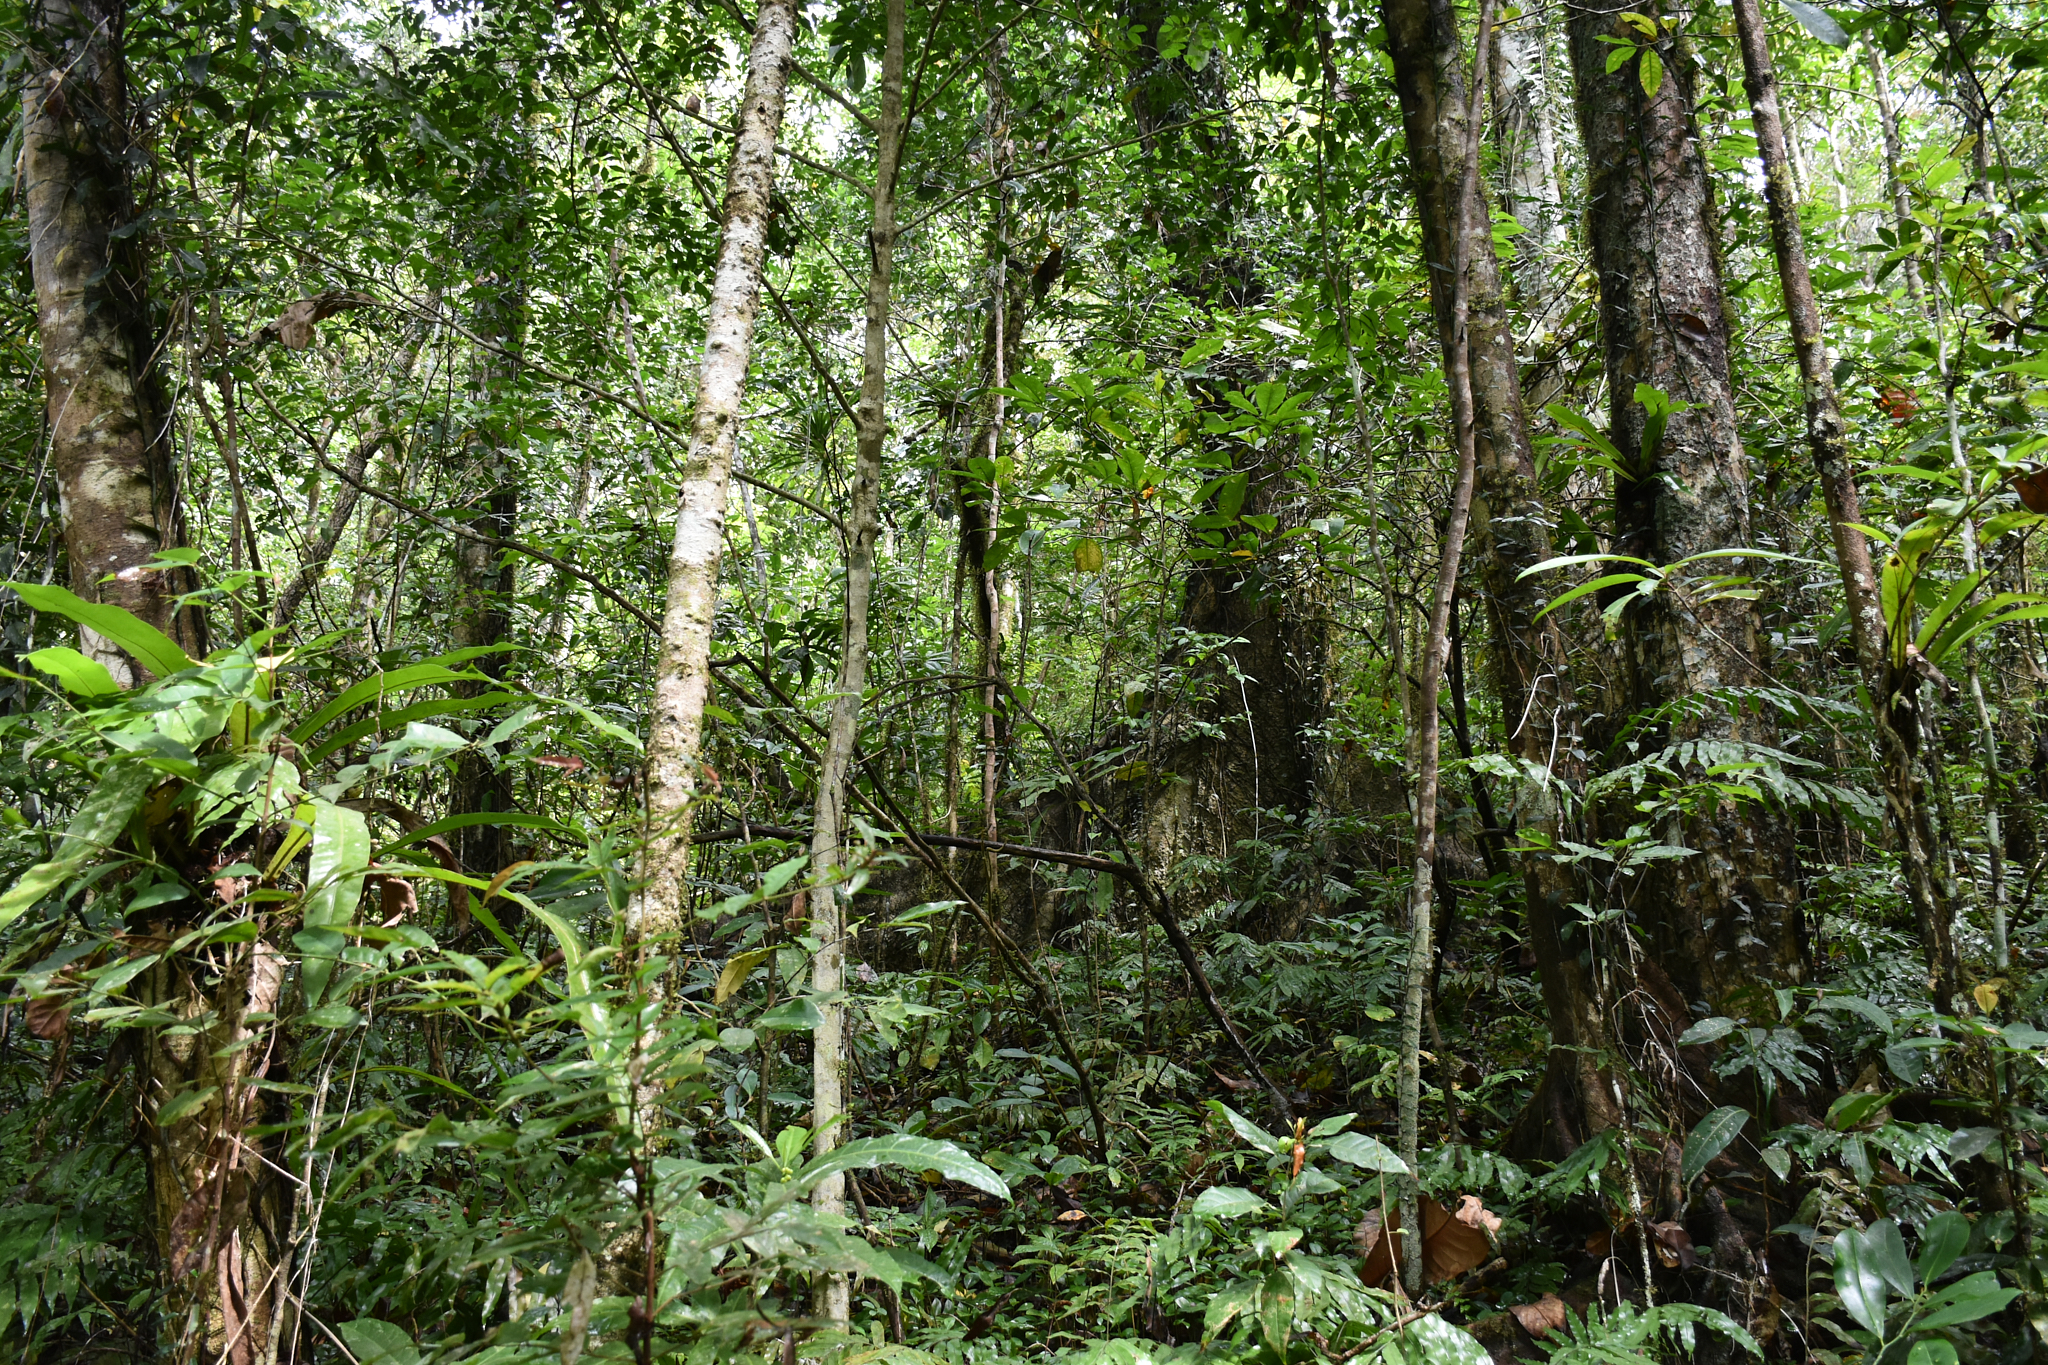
(383, 685)
(1709, 1140)
(1941, 1241)
(1858, 1281)
(149, 646)
(1228, 1201)
(334, 884)
(99, 822)
(1887, 1251)
(393, 720)
(1441, 1343)
(79, 675)
(379, 1343)
(899, 1149)
(1367, 1153)
(1251, 1132)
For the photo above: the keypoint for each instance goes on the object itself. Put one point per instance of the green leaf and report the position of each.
(1887, 1251)
(1818, 22)
(1440, 1343)
(184, 1103)
(1941, 1241)
(1335, 1124)
(1857, 1005)
(149, 646)
(1707, 1031)
(90, 835)
(800, 1013)
(1617, 58)
(419, 710)
(1853, 1108)
(1228, 1201)
(334, 1014)
(1709, 1140)
(1251, 1132)
(379, 1343)
(1593, 586)
(78, 674)
(1858, 1282)
(511, 818)
(1932, 1351)
(1238, 1297)
(1651, 70)
(1367, 1153)
(1968, 1299)
(334, 884)
(914, 1153)
(383, 685)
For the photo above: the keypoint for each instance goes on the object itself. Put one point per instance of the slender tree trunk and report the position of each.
(682, 680)
(1727, 919)
(1465, 199)
(829, 897)
(109, 427)
(1895, 180)
(1509, 524)
(1893, 689)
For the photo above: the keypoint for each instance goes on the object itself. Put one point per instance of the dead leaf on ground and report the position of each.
(1450, 1246)
(1540, 1318)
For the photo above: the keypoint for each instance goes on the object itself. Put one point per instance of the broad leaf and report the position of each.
(1228, 1201)
(915, 1153)
(334, 884)
(149, 646)
(379, 1343)
(1941, 1241)
(1440, 1343)
(1251, 1132)
(1367, 1153)
(1968, 1299)
(1858, 1282)
(79, 675)
(1818, 22)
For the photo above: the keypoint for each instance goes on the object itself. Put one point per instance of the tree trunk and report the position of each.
(1894, 690)
(1895, 180)
(1510, 535)
(682, 680)
(829, 897)
(108, 422)
(1725, 921)
(1526, 141)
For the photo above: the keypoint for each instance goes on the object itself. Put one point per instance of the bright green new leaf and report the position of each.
(334, 884)
(91, 833)
(150, 647)
(78, 674)
(1228, 1201)
(913, 1153)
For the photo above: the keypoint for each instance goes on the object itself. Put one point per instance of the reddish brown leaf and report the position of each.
(49, 1016)
(1674, 1245)
(1540, 1318)
(1450, 1247)
(568, 763)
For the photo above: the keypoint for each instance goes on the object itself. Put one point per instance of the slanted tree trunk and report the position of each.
(1894, 690)
(1726, 921)
(1895, 180)
(829, 898)
(1510, 535)
(108, 422)
(682, 680)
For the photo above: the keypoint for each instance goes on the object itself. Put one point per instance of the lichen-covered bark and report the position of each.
(1526, 144)
(829, 902)
(216, 1202)
(1510, 529)
(115, 477)
(682, 679)
(1727, 919)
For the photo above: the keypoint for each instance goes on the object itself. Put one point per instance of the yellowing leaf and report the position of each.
(737, 969)
(1087, 555)
(1651, 70)
(1986, 996)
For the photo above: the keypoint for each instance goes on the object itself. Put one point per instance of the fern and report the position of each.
(1626, 1335)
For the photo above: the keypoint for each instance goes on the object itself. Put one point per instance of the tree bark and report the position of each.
(830, 896)
(1510, 532)
(682, 679)
(1526, 140)
(1893, 690)
(108, 422)
(1465, 199)
(1725, 921)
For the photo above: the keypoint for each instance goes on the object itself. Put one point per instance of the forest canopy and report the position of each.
(932, 683)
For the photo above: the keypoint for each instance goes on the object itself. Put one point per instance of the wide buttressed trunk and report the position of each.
(108, 424)
(682, 681)
(1726, 920)
(1510, 532)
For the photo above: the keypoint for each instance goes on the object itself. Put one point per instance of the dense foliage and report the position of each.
(333, 1029)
